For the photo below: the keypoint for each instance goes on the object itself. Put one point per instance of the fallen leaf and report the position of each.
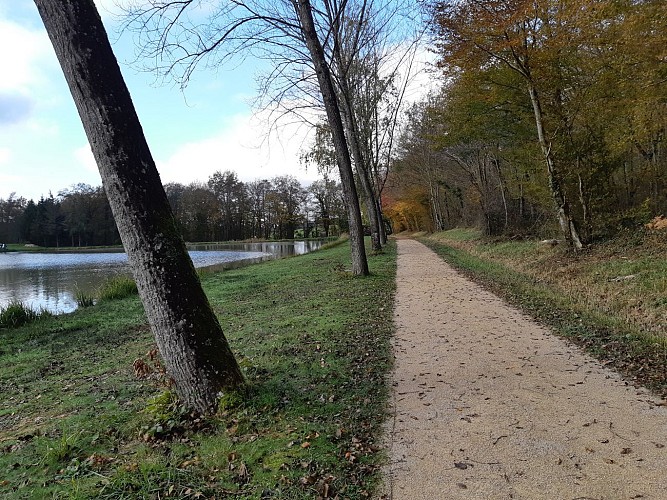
(308, 480)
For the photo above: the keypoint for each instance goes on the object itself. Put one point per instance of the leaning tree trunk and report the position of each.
(567, 223)
(188, 335)
(359, 262)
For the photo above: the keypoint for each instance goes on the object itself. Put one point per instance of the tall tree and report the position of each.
(472, 34)
(372, 47)
(331, 105)
(11, 210)
(272, 30)
(186, 329)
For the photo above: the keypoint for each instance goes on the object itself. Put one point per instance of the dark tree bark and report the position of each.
(359, 262)
(186, 329)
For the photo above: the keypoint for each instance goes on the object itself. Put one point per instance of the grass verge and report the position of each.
(75, 421)
(554, 287)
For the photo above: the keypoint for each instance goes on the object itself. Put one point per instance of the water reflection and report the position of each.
(51, 280)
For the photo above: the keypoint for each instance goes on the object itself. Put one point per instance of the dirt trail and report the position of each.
(490, 405)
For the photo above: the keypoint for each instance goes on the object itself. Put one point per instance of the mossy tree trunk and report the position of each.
(187, 332)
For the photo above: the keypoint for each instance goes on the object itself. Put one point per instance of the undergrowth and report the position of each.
(118, 287)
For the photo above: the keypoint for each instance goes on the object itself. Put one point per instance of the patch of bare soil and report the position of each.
(487, 404)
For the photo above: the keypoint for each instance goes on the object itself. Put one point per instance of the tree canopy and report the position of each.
(576, 87)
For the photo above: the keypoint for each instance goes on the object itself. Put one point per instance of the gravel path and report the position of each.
(490, 405)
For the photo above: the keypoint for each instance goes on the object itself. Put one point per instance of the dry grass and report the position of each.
(625, 277)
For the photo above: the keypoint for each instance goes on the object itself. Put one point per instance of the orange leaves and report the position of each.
(409, 212)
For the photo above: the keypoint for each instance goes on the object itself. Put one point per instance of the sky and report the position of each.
(207, 127)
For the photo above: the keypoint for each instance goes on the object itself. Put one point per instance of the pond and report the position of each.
(51, 280)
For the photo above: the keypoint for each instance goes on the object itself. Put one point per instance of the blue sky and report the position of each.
(208, 127)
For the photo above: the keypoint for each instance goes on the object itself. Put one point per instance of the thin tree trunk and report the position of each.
(349, 124)
(369, 196)
(187, 331)
(383, 229)
(567, 224)
(362, 171)
(586, 216)
(359, 262)
(501, 184)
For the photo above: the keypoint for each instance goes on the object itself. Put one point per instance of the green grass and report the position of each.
(118, 287)
(17, 314)
(313, 343)
(84, 299)
(573, 295)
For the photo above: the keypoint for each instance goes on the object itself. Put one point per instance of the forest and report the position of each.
(548, 120)
(548, 114)
(221, 209)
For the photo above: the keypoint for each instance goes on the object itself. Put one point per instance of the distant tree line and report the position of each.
(79, 216)
(551, 116)
(224, 208)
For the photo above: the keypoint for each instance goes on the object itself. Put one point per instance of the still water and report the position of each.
(51, 280)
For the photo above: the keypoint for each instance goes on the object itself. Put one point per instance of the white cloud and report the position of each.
(23, 53)
(84, 156)
(5, 178)
(242, 146)
(5, 155)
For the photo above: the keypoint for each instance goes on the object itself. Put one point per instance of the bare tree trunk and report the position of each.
(586, 216)
(362, 173)
(383, 229)
(501, 185)
(359, 262)
(350, 126)
(187, 331)
(567, 224)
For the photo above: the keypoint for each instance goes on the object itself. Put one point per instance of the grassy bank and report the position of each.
(610, 298)
(75, 421)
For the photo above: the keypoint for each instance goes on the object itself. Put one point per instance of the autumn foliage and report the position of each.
(550, 118)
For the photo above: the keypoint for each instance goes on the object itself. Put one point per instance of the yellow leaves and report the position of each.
(409, 213)
(657, 223)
